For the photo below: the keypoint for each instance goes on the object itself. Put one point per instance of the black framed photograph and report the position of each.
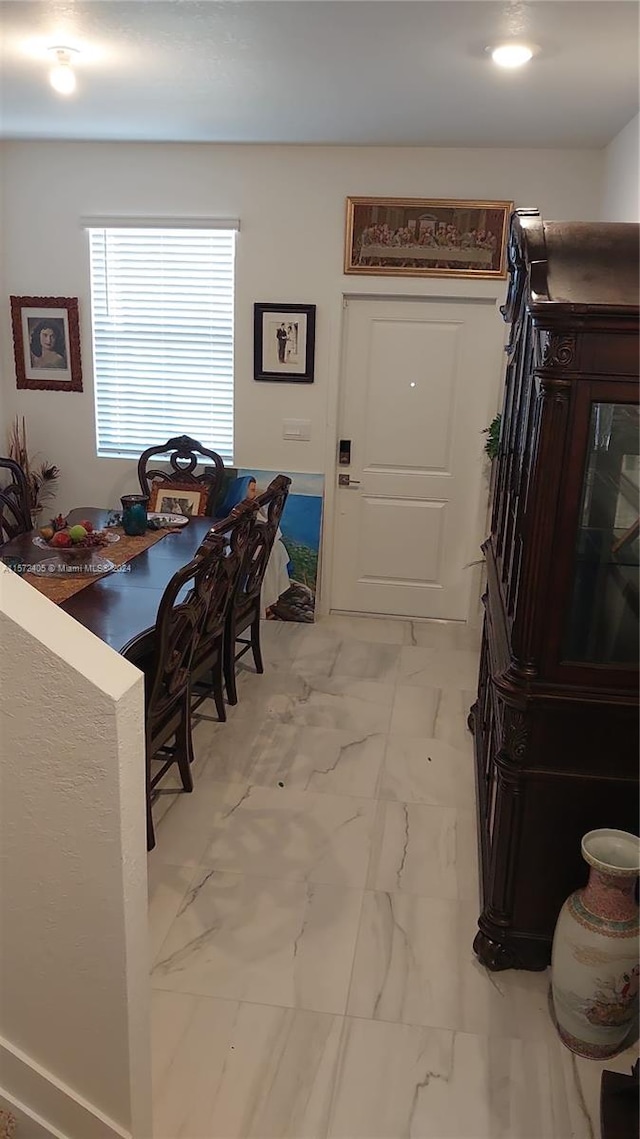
(46, 343)
(284, 342)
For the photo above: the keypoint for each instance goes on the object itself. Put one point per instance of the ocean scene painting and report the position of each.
(289, 589)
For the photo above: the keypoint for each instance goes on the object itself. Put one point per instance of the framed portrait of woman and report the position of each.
(46, 343)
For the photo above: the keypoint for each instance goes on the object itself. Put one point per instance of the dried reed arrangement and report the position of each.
(40, 475)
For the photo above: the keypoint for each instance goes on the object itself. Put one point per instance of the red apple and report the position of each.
(87, 525)
(60, 539)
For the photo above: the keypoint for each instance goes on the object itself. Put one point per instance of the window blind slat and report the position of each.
(163, 310)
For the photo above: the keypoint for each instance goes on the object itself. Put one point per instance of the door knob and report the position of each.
(347, 481)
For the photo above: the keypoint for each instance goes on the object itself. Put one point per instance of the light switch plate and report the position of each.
(297, 429)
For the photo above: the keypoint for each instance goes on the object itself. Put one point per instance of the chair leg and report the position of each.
(151, 834)
(218, 687)
(150, 830)
(255, 643)
(189, 733)
(230, 663)
(184, 745)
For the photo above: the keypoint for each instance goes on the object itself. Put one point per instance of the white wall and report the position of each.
(621, 189)
(74, 1032)
(291, 202)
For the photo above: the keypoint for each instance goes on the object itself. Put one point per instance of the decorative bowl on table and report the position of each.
(77, 541)
(159, 520)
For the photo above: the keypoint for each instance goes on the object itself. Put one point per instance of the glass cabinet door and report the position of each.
(602, 624)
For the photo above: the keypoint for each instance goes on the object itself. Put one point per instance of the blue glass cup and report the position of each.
(134, 514)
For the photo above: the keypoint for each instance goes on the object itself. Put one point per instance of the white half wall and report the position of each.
(7, 380)
(74, 989)
(291, 202)
(621, 189)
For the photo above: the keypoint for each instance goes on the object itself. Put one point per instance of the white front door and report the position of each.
(419, 382)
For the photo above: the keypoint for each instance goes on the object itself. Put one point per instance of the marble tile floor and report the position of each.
(313, 905)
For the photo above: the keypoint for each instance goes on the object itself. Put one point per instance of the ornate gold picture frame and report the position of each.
(426, 237)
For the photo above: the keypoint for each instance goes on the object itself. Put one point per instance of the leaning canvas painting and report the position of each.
(290, 582)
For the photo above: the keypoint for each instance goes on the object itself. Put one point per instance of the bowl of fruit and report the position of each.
(75, 541)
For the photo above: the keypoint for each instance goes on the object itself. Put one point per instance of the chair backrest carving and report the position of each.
(15, 515)
(180, 617)
(192, 613)
(183, 452)
(268, 507)
(223, 570)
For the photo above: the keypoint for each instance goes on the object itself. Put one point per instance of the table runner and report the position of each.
(59, 589)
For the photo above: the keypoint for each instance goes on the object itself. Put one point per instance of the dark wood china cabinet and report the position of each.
(556, 718)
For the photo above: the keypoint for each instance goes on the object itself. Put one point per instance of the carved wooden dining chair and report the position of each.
(207, 667)
(244, 611)
(15, 515)
(165, 654)
(183, 452)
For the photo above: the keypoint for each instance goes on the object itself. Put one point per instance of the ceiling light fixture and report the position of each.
(62, 77)
(511, 54)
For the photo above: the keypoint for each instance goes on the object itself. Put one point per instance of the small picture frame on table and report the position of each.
(168, 497)
(284, 342)
(46, 343)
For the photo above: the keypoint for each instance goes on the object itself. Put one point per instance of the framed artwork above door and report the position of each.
(426, 237)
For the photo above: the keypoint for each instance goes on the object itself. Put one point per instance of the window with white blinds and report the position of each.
(162, 304)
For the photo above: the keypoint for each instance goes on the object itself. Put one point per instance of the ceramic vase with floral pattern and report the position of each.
(594, 967)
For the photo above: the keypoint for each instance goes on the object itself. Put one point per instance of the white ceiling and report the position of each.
(376, 72)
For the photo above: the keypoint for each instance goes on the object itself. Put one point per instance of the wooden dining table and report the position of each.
(121, 605)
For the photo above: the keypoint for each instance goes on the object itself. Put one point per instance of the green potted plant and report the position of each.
(493, 437)
(41, 476)
(491, 448)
